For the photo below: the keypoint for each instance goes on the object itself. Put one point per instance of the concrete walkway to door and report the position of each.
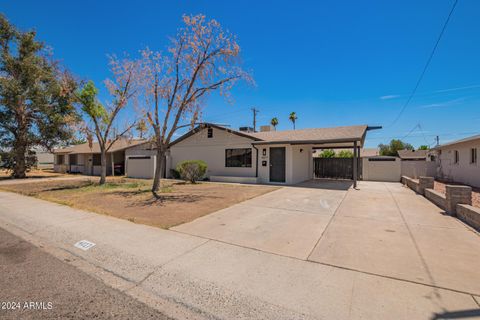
(381, 229)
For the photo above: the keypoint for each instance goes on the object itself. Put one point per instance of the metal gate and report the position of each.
(337, 168)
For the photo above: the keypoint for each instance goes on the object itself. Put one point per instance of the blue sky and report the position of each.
(332, 62)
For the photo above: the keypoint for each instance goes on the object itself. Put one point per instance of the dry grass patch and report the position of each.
(132, 200)
(33, 174)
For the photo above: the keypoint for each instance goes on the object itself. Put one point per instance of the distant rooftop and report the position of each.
(412, 154)
(120, 144)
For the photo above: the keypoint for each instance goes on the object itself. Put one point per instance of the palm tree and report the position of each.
(293, 117)
(274, 123)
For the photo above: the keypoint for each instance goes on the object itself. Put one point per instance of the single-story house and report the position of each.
(458, 161)
(283, 157)
(412, 155)
(85, 159)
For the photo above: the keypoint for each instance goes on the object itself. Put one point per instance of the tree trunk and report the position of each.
(103, 162)
(159, 168)
(20, 150)
(20, 168)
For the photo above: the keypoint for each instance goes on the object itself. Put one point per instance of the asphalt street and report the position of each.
(36, 285)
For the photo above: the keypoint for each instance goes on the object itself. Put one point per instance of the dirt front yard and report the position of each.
(131, 199)
(5, 175)
(440, 187)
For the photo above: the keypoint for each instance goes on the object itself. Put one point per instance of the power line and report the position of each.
(426, 65)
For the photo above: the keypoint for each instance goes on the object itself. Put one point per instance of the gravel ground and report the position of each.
(440, 187)
(40, 286)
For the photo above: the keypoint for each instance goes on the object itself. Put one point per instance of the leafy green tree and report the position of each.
(345, 154)
(392, 148)
(329, 153)
(36, 97)
(293, 118)
(274, 122)
(101, 118)
(424, 147)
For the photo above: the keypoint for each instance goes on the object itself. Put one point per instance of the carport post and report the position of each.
(355, 163)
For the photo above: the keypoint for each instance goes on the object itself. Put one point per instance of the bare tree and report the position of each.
(101, 118)
(202, 58)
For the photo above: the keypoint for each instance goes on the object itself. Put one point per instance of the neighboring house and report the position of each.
(413, 155)
(458, 161)
(416, 163)
(45, 159)
(86, 160)
(260, 157)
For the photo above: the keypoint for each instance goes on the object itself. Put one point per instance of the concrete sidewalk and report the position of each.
(189, 276)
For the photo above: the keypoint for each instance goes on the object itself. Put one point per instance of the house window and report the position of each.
(238, 158)
(456, 157)
(473, 156)
(72, 159)
(97, 159)
(210, 133)
(60, 159)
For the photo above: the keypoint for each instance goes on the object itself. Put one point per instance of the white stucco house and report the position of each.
(458, 161)
(279, 157)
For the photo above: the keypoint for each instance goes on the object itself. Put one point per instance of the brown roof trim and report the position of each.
(202, 126)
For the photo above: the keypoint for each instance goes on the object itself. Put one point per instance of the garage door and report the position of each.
(142, 167)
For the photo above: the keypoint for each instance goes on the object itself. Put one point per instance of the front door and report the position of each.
(277, 164)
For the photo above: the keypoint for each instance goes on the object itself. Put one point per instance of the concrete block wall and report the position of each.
(437, 198)
(411, 183)
(469, 214)
(425, 183)
(457, 195)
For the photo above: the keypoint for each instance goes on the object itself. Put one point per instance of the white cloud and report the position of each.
(388, 97)
(442, 104)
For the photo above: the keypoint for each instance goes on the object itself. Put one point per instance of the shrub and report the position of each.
(192, 170)
(175, 174)
(345, 154)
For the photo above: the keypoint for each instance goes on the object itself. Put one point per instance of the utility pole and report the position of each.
(255, 111)
(438, 140)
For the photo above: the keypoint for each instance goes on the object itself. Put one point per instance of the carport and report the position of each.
(296, 142)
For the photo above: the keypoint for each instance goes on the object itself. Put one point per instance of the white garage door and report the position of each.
(141, 167)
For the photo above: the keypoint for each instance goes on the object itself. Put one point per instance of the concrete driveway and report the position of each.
(313, 251)
(382, 228)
